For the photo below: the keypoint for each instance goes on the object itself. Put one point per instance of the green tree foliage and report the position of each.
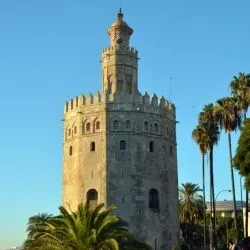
(241, 159)
(207, 120)
(240, 89)
(84, 229)
(226, 231)
(191, 210)
(227, 114)
(200, 136)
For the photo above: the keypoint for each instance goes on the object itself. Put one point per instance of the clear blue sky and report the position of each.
(50, 52)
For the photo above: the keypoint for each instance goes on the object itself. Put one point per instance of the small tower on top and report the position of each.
(119, 61)
(119, 32)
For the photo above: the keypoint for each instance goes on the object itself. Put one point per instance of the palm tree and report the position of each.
(201, 138)
(84, 229)
(206, 119)
(240, 89)
(191, 209)
(228, 117)
(37, 225)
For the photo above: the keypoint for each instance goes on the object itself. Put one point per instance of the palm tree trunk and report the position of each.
(211, 220)
(233, 187)
(212, 197)
(204, 200)
(246, 212)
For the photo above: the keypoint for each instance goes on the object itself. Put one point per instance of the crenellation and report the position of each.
(97, 97)
(162, 102)
(146, 98)
(66, 107)
(154, 100)
(82, 100)
(151, 103)
(75, 102)
(89, 99)
(125, 51)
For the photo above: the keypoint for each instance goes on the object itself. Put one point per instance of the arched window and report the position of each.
(128, 124)
(151, 146)
(122, 145)
(75, 129)
(115, 124)
(92, 198)
(153, 199)
(97, 125)
(146, 126)
(88, 126)
(92, 146)
(69, 132)
(156, 127)
(70, 150)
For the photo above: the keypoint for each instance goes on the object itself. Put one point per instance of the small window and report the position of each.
(92, 195)
(153, 199)
(92, 198)
(128, 124)
(171, 151)
(69, 132)
(92, 146)
(146, 126)
(151, 146)
(98, 125)
(156, 127)
(88, 126)
(75, 129)
(115, 124)
(122, 145)
(70, 150)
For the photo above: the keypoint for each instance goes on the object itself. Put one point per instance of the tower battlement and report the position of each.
(155, 101)
(149, 101)
(130, 51)
(83, 100)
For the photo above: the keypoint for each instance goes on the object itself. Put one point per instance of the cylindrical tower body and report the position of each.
(120, 148)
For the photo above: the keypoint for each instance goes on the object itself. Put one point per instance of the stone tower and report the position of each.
(120, 148)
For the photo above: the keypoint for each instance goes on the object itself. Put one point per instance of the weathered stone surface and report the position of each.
(95, 157)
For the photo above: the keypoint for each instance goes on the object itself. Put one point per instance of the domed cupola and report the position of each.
(119, 32)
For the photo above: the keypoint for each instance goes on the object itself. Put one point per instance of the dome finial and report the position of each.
(120, 15)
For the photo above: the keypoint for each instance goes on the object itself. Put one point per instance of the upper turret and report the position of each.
(119, 32)
(119, 61)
